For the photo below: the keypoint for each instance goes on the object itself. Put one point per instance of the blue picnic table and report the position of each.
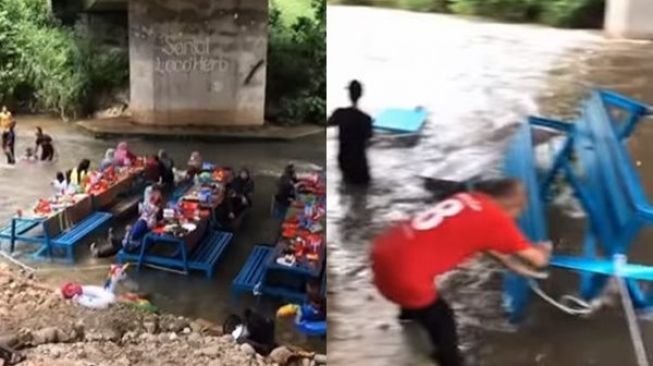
(595, 162)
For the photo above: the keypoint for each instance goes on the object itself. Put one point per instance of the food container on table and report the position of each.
(168, 214)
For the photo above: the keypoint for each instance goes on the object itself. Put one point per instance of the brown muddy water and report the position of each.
(474, 77)
(192, 296)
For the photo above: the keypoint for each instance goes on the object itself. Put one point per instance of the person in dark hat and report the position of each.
(355, 131)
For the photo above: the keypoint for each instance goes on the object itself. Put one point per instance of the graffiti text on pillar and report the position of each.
(188, 55)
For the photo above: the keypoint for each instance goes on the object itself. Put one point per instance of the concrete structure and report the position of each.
(192, 62)
(629, 19)
(198, 62)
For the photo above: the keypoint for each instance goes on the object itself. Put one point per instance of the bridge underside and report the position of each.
(629, 19)
(195, 62)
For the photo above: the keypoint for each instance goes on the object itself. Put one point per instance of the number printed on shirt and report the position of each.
(433, 217)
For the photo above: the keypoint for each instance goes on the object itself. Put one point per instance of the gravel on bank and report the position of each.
(52, 331)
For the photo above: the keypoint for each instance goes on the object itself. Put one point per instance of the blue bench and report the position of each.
(607, 187)
(203, 258)
(17, 229)
(250, 277)
(68, 239)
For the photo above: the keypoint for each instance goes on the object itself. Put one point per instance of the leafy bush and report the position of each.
(509, 10)
(296, 85)
(47, 67)
(574, 13)
(559, 13)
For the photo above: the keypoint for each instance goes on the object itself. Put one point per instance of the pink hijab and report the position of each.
(121, 155)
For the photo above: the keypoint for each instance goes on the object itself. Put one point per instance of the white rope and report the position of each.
(567, 303)
(576, 306)
(631, 317)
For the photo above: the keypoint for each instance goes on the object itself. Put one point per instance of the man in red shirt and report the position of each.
(408, 257)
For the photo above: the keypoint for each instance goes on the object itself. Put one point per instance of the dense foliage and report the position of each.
(47, 67)
(296, 85)
(561, 13)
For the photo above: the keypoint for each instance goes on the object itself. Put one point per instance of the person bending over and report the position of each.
(408, 257)
(241, 193)
(44, 142)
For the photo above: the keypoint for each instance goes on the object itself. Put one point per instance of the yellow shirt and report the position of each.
(5, 119)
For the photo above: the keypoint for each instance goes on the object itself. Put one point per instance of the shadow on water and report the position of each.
(193, 295)
(477, 79)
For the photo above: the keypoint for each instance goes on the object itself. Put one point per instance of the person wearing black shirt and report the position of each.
(354, 133)
(166, 169)
(45, 143)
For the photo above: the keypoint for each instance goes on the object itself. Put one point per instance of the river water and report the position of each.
(476, 78)
(192, 296)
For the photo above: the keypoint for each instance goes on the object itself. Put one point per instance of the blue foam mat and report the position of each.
(401, 120)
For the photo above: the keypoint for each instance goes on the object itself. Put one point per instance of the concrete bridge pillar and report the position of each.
(629, 19)
(198, 62)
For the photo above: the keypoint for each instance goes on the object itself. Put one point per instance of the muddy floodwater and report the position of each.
(475, 78)
(192, 296)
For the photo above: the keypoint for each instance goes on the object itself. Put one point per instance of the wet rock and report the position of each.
(247, 349)
(194, 338)
(173, 324)
(186, 330)
(44, 336)
(172, 336)
(227, 338)
(211, 351)
(320, 359)
(9, 339)
(281, 355)
(151, 326)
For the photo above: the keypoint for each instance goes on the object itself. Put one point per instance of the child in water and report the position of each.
(29, 156)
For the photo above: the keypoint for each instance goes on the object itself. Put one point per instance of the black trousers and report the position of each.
(11, 156)
(440, 322)
(47, 152)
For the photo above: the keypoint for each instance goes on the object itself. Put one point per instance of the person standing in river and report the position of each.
(354, 134)
(45, 143)
(9, 143)
(408, 257)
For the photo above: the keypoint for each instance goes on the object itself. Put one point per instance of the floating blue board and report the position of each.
(401, 120)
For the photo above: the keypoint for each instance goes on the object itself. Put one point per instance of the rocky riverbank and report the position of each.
(51, 331)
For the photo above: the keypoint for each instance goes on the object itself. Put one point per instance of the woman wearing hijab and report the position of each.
(122, 156)
(166, 169)
(194, 165)
(150, 214)
(108, 160)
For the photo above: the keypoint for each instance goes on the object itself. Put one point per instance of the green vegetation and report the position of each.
(47, 67)
(559, 13)
(296, 86)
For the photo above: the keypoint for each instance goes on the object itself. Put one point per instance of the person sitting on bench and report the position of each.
(77, 176)
(123, 156)
(241, 193)
(151, 213)
(108, 160)
(285, 192)
(194, 165)
(166, 170)
(314, 310)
